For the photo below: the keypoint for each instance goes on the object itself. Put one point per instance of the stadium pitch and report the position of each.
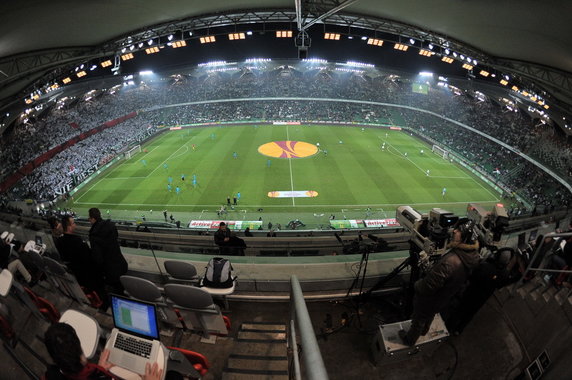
(288, 170)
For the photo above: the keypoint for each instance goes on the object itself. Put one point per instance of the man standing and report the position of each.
(228, 200)
(446, 278)
(103, 240)
(444, 192)
(81, 260)
(222, 238)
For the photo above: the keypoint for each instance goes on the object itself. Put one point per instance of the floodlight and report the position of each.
(475, 62)
(503, 82)
(178, 44)
(412, 41)
(93, 67)
(462, 57)
(152, 50)
(533, 98)
(467, 66)
(82, 66)
(546, 106)
(190, 33)
(283, 34)
(140, 45)
(236, 36)
(207, 39)
(524, 93)
(364, 38)
(131, 47)
(514, 88)
(106, 63)
(123, 50)
(332, 36)
(350, 37)
(485, 73)
(425, 74)
(28, 101)
(447, 51)
(401, 47)
(426, 53)
(126, 57)
(150, 42)
(81, 74)
(146, 72)
(447, 59)
(455, 54)
(375, 41)
(66, 80)
(170, 37)
(77, 68)
(249, 33)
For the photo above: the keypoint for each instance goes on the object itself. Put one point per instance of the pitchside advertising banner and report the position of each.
(369, 223)
(231, 225)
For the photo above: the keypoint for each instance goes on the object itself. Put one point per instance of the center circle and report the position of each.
(288, 149)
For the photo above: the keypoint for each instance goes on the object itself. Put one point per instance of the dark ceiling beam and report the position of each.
(298, 6)
(329, 13)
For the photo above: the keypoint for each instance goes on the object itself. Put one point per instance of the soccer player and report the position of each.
(183, 177)
(318, 145)
(165, 166)
(421, 151)
(170, 179)
(194, 177)
(194, 147)
(169, 187)
(341, 142)
(268, 163)
(427, 172)
(405, 154)
(234, 155)
(195, 182)
(383, 146)
(144, 162)
(444, 192)
(177, 190)
(238, 195)
(325, 152)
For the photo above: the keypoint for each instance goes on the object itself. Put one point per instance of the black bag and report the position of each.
(218, 273)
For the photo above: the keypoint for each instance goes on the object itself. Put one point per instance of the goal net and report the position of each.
(133, 151)
(440, 151)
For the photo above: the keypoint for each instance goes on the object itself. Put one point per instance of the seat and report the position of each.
(145, 290)
(200, 312)
(64, 281)
(181, 270)
(220, 292)
(86, 328)
(199, 362)
(6, 279)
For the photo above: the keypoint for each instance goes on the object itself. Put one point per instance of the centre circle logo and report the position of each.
(288, 149)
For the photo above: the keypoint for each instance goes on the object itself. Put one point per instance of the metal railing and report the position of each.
(538, 251)
(314, 368)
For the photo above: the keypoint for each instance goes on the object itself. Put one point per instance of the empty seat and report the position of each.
(147, 291)
(64, 281)
(180, 270)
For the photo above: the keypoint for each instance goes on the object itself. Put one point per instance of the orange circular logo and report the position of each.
(288, 149)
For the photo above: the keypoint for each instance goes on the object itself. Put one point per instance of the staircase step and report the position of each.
(253, 326)
(251, 376)
(262, 336)
(260, 348)
(260, 363)
(549, 293)
(562, 295)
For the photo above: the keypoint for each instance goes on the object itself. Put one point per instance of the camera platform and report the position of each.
(387, 346)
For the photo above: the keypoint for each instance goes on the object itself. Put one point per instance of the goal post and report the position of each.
(132, 151)
(440, 151)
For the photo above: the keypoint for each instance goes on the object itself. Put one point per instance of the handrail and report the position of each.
(537, 252)
(312, 358)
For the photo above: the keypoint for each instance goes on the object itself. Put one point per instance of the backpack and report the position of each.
(218, 273)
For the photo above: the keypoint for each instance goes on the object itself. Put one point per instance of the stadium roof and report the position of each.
(532, 38)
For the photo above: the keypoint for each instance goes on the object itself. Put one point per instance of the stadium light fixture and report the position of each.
(249, 33)
(430, 46)
(503, 82)
(66, 80)
(236, 36)
(178, 44)
(475, 62)
(462, 57)
(146, 72)
(132, 47)
(426, 74)
(190, 33)
(524, 93)
(467, 66)
(140, 45)
(546, 106)
(485, 73)
(93, 67)
(514, 88)
(150, 42)
(412, 41)
(152, 50)
(283, 34)
(426, 53)
(123, 50)
(81, 74)
(28, 101)
(375, 42)
(106, 63)
(127, 57)
(332, 36)
(170, 37)
(207, 39)
(350, 37)
(455, 55)
(447, 59)
(447, 51)
(401, 47)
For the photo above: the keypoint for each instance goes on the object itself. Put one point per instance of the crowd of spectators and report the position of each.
(63, 121)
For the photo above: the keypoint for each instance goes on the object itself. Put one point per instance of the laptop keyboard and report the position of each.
(133, 345)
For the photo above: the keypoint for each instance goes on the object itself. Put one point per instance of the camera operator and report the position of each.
(444, 280)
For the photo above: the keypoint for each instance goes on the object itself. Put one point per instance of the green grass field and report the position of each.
(352, 176)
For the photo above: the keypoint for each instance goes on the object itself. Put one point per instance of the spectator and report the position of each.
(103, 239)
(81, 260)
(7, 261)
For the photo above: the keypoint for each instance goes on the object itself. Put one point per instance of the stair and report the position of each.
(259, 353)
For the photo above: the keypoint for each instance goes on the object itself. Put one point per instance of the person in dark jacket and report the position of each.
(64, 347)
(103, 240)
(80, 259)
(446, 278)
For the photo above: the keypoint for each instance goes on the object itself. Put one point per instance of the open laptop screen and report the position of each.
(136, 317)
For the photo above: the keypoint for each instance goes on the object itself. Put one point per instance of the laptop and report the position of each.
(135, 339)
